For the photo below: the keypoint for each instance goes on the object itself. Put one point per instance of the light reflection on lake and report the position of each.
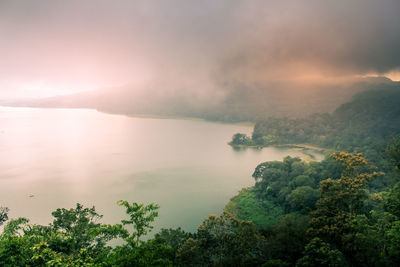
(65, 156)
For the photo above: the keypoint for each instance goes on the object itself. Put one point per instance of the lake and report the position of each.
(53, 158)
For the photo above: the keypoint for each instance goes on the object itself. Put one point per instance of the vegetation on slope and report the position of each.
(365, 125)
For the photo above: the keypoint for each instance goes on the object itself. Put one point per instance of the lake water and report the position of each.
(51, 158)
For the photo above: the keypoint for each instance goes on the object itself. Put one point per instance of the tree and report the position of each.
(77, 238)
(318, 253)
(140, 218)
(393, 150)
(223, 241)
(15, 227)
(154, 252)
(287, 240)
(240, 139)
(80, 229)
(341, 202)
(392, 201)
(302, 198)
(393, 235)
(74, 238)
(392, 207)
(172, 237)
(3, 214)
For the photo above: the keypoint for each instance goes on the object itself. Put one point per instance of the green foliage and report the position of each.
(15, 251)
(77, 238)
(303, 180)
(223, 241)
(292, 184)
(392, 201)
(78, 229)
(247, 206)
(276, 263)
(327, 206)
(3, 214)
(241, 139)
(173, 238)
(302, 198)
(341, 204)
(140, 218)
(15, 227)
(393, 151)
(367, 241)
(318, 253)
(393, 235)
(150, 253)
(44, 256)
(287, 240)
(363, 125)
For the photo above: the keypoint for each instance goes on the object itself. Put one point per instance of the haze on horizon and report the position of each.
(54, 47)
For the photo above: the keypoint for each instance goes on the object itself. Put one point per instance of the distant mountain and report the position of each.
(232, 103)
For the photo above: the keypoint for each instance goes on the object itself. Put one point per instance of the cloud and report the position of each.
(317, 38)
(196, 45)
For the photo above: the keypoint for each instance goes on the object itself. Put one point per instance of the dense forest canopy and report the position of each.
(366, 124)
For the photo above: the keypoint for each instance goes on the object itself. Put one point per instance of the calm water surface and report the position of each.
(65, 156)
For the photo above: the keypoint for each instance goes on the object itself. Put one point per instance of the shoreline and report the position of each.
(143, 116)
(303, 148)
(300, 146)
(172, 117)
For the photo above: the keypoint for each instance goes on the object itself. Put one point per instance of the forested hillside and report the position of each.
(365, 124)
(342, 211)
(339, 212)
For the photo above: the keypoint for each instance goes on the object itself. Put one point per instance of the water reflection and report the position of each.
(62, 156)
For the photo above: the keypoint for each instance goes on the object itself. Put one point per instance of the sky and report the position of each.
(54, 47)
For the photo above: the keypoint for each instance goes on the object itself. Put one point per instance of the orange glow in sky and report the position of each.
(62, 47)
(394, 75)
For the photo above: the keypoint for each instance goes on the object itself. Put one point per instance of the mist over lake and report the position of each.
(199, 133)
(55, 158)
